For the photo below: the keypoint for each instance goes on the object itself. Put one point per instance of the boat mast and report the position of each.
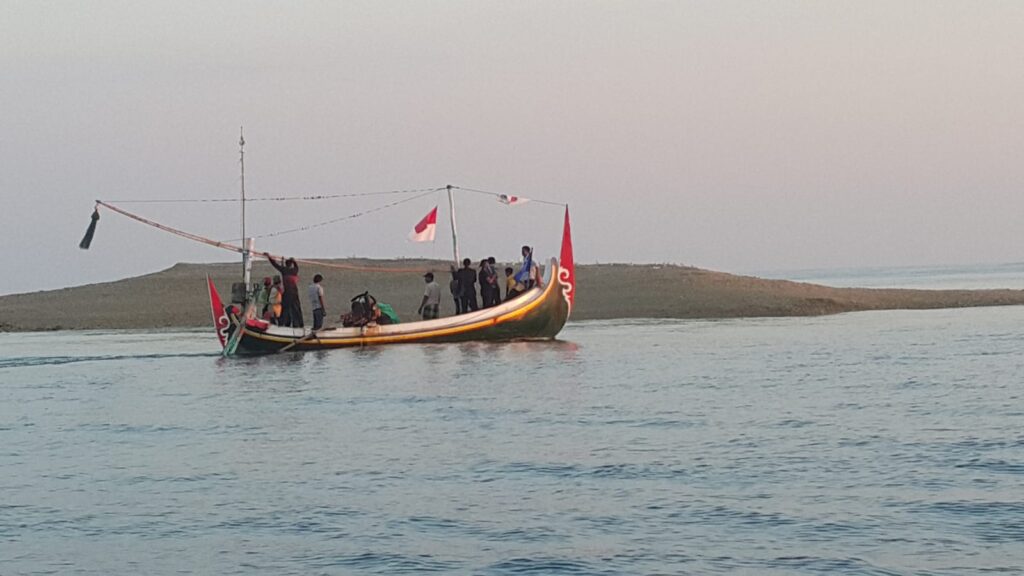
(241, 161)
(455, 236)
(247, 243)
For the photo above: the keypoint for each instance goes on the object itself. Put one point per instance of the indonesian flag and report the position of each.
(512, 200)
(424, 230)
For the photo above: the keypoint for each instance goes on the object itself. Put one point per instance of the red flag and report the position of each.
(220, 317)
(424, 230)
(566, 266)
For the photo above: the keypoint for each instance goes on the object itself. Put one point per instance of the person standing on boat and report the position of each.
(495, 281)
(291, 306)
(431, 303)
(263, 302)
(529, 274)
(316, 300)
(485, 294)
(490, 294)
(456, 290)
(510, 284)
(467, 286)
(274, 305)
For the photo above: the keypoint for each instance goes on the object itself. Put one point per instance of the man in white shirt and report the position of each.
(431, 303)
(316, 299)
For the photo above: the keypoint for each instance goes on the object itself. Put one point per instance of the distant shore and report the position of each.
(176, 297)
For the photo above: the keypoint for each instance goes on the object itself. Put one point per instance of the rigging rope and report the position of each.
(230, 246)
(277, 198)
(323, 197)
(349, 217)
(497, 195)
(238, 249)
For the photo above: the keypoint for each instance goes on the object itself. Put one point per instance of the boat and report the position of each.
(539, 313)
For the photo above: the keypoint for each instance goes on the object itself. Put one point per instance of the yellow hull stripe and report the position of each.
(509, 316)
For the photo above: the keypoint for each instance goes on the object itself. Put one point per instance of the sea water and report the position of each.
(867, 443)
(972, 277)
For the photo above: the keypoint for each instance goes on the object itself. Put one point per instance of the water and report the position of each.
(960, 277)
(869, 443)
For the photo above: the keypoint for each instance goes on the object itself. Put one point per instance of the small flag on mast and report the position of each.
(424, 230)
(512, 200)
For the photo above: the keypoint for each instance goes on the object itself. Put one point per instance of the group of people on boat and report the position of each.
(280, 302)
(464, 281)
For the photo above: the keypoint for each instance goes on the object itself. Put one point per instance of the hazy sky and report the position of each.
(737, 136)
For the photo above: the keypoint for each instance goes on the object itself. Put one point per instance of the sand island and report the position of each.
(176, 297)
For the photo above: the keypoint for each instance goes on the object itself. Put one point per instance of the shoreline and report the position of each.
(177, 297)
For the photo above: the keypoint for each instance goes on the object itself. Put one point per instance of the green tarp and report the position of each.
(387, 310)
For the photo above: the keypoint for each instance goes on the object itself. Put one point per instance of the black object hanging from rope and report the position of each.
(91, 231)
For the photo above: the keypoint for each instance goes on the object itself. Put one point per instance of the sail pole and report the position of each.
(247, 243)
(455, 236)
(241, 161)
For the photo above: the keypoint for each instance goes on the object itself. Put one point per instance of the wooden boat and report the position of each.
(538, 314)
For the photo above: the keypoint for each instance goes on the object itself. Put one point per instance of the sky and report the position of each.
(736, 136)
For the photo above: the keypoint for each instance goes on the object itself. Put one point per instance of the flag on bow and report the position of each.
(424, 230)
(512, 200)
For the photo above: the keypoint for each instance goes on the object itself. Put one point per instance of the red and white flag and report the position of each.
(512, 200)
(424, 230)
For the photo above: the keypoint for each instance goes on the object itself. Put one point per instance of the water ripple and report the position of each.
(856, 444)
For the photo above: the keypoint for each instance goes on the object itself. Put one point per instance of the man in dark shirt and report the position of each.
(467, 286)
(456, 291)
(489, 292)
(291, 306)
(485, 296)
(492, 281)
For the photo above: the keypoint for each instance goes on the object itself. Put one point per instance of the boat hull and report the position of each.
(538, 314)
